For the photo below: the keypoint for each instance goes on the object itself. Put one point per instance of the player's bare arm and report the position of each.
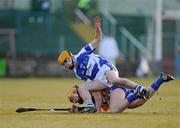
(98, 100)
(98, 32)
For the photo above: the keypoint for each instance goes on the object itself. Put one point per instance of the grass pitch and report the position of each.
(161, 111)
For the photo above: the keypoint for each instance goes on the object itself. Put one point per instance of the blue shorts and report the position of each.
(126, 90)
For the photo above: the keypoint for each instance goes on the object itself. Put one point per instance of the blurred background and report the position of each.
(34, 32)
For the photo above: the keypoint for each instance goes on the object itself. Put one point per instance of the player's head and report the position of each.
(73, 95)
(66, 58)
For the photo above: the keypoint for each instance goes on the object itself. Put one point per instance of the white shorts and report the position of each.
(101, 74)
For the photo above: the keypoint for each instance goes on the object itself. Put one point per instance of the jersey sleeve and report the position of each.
(88, 49)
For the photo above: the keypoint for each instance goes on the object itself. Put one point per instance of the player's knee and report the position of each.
(115, 110)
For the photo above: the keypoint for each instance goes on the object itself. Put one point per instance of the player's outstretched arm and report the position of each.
(98, 33)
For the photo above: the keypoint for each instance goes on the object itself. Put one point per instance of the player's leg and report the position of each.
(152, 89)
(157, 84)
(85, 94)
(136, 103)
(113, 77)
(118, 100)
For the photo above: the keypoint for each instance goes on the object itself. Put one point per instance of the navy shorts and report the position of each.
(126, 90)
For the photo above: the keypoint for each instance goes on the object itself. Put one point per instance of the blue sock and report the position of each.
(132, 97)
(90, 104)
(157, 84)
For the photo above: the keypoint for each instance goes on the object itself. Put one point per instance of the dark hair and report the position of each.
(81, 101)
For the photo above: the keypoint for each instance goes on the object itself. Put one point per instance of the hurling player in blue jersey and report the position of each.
(95, 70)
(116, 99)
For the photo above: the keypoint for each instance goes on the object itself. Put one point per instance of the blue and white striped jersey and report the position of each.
(88, 63)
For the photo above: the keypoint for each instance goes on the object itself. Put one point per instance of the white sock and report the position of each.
(90, 104)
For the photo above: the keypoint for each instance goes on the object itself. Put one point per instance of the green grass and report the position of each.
(162, 111)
